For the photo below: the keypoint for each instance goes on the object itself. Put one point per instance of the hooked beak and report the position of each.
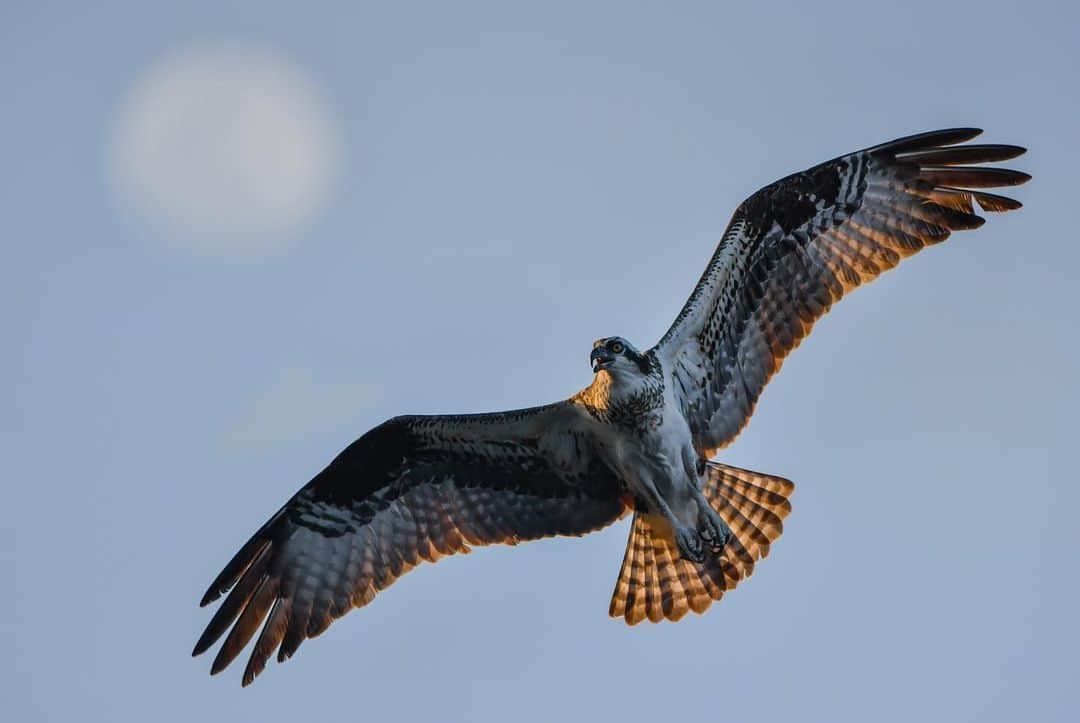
(601, 358)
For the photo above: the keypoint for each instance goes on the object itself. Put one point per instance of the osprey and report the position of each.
(639, 438)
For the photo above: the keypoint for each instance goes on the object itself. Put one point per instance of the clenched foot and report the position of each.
(713, 530)
(690, 545)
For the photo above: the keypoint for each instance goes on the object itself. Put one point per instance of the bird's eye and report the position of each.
(617, 347)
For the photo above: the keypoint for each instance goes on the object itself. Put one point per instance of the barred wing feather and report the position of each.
(794, 248)
(411, 490)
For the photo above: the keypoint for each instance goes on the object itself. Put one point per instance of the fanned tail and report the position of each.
(656, 584)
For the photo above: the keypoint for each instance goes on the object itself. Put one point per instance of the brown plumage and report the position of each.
(797, 246)
(655, 584)
(416, 488)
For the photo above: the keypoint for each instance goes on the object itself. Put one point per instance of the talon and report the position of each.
(714, 531)
(689, 543)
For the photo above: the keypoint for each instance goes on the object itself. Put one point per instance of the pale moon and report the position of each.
(226, 151)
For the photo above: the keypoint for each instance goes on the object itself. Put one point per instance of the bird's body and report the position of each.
(645, 439)
(639, 438)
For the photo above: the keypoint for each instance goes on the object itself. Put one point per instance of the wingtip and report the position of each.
(999, 204)
(993, 203)
(215, 591)
(219, 664)
(964, 133)
(963, 154)
(927, 140)
(255, 666)
(203, 644)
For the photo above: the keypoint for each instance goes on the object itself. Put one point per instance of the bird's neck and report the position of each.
(626, 401)
(599, 394)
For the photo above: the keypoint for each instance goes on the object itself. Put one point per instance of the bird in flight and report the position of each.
(640, 438)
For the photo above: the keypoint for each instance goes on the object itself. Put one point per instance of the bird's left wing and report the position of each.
(411, 490)
(797, 246)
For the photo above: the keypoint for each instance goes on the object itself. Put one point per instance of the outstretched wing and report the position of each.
(795, 247)
(410, 490)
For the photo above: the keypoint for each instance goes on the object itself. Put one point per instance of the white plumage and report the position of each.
(638, 438)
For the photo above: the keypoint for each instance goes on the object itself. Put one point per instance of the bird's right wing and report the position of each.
(797, 246)
(411, 490)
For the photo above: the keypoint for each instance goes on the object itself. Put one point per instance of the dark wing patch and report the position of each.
(796, 247)
(412, 490)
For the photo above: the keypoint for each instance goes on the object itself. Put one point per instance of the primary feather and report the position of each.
(795, 247)
(417, 488)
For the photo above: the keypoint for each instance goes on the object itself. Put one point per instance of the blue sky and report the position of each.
(510, 182)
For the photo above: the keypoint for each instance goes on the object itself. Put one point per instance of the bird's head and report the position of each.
(618, 357)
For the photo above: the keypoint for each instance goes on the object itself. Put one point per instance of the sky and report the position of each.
(237, 235)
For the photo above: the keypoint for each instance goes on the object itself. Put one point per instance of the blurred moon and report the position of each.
(225, 150)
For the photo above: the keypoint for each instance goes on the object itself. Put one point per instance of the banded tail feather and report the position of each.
(656, 584)
(420, 487)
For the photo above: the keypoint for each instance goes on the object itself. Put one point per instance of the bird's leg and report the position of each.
(710, 526)
(687, 538)
(689, 543)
